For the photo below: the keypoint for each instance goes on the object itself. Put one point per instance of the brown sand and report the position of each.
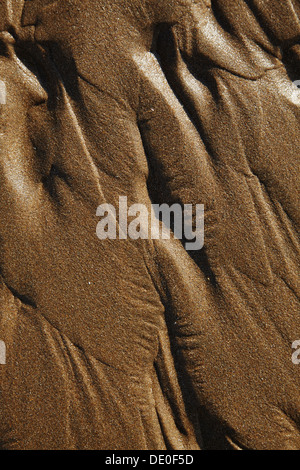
(140, 344)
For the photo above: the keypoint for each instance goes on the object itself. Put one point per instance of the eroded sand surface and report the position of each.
(139, 344)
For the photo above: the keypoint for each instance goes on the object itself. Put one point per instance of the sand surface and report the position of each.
(141, 344)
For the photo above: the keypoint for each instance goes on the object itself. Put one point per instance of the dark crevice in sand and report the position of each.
(55, 172)
(23, 298)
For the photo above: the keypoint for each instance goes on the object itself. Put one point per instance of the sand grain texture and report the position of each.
(139, 344)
